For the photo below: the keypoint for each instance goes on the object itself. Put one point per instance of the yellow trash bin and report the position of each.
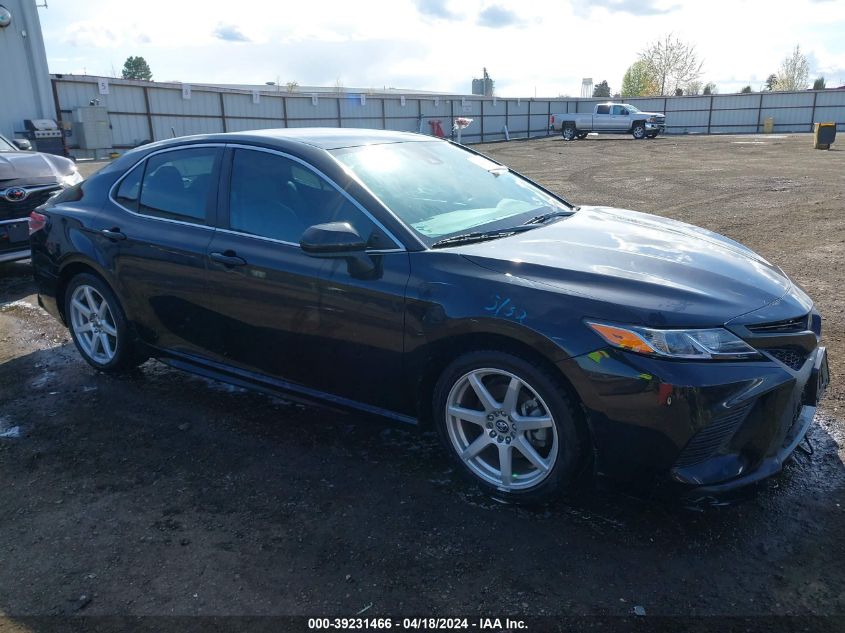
(823, 135)
(769, 125)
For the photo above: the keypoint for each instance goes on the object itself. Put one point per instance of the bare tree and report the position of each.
(292, 85)
(693, 88)
(673, 63)
(794, 72)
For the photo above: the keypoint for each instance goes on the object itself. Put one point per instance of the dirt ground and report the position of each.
(166, 494)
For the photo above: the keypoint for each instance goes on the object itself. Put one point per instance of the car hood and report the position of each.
(651, 113)
(637, 267)
(23, 166)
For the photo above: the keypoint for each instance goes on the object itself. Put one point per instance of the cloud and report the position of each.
(497, 17)
(230, 33)
(436, 9)
(91, 34)
(634, 7)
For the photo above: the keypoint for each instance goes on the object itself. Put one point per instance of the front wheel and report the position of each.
(568, 133)
(508, 425)
(638, 131)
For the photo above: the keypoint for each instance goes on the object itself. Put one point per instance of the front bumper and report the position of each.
(655, 127)
(704, 427)
(14, 240)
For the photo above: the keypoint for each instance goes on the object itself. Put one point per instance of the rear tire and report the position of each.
(98, 325)
(509, 426)
(568, 132)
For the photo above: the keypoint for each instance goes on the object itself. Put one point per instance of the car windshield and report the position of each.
(441, 190)
(6, 146)
(632, 108)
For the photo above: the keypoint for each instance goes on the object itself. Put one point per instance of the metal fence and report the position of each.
(145, 111)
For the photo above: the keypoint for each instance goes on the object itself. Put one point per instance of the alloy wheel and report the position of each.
(93, 324)
(501, 429)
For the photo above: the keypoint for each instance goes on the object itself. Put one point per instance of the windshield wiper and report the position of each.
(480, 236)
(545, 217)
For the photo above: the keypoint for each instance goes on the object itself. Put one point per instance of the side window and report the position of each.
(603, 109)
(616, 110)
(276, 197)
(179, 184)
(129, 192)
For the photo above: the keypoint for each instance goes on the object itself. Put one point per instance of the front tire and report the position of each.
(98, 325)
(638, 131)
(508, 425)
(568, 133)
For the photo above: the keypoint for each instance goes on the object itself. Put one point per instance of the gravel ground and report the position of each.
(165, 494)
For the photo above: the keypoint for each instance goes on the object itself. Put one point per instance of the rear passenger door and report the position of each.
(157, 239)
(295, 317)
(602, 119)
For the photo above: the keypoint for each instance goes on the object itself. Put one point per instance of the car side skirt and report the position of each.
(271, 386)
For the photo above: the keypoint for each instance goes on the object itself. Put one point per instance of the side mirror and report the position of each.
(339, 240)
(22, 144)
(333, 239)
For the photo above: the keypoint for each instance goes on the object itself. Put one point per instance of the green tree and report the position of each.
(602, 89)
(771, 80)
(794, 72)
(709, 89)
(819, 84)
(137, 68)
(639, 81)
(746, 90)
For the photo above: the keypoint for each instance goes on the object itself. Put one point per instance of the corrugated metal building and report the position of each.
(25, 91)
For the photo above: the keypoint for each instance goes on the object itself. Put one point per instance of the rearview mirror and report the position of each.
(22, 144)
(340, 240)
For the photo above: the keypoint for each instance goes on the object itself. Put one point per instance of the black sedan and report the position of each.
(409, 277)
(27, 180)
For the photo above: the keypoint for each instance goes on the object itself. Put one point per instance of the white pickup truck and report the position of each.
(609, 118)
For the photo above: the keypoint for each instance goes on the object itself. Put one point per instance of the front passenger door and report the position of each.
(295, 317)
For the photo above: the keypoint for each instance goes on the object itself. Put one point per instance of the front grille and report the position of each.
(711, 438)
(15, 210)
(790, 326)
(792, 357)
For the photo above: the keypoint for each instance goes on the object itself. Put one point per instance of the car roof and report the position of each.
(323, 138)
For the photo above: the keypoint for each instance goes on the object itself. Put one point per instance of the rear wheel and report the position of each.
(568, 132)
(98, 325)
(508, 425)
(638, 131)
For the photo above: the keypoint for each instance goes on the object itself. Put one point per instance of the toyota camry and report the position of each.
(408, 277)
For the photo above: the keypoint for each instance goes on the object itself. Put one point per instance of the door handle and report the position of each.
(113, 234)
(227, 258)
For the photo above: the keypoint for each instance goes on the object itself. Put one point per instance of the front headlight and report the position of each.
(715, 343)
(71, 179)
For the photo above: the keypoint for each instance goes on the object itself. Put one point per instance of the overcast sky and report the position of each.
(541, 47)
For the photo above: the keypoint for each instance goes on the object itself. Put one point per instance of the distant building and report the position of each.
(483, 86)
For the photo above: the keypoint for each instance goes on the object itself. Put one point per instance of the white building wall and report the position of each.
(25, 91)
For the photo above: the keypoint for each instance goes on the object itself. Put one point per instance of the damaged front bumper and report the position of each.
(701, 428)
